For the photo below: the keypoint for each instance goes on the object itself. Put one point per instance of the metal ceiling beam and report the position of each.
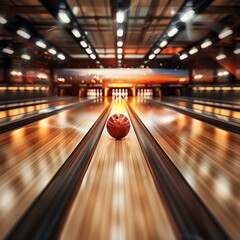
(16, 10)
(54, 6)
(148, 19)
(200, 7)
(222, 10)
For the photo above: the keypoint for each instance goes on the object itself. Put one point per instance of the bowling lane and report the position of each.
(221, 111)
(31, 155)
(26, 102)
(18, 113)
(118, 198)
(207, 157)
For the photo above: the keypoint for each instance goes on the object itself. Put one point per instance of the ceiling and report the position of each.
(146, 24)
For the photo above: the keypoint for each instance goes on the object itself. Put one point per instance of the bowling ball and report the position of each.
(118, 126)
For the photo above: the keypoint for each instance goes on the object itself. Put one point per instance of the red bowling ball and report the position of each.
(118, 126)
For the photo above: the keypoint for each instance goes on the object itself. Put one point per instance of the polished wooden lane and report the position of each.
(21, 112)
(207, 157)
(118, 198)
(30, 157)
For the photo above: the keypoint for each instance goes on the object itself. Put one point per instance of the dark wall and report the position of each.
(8, 95)
(219, 95)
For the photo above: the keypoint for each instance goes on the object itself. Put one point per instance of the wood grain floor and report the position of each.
(118, 198)
(207, 157)
(30, 156)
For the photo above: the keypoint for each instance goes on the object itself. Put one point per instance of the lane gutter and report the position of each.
(226, 125)
(191, 216)
(44, 218)
(19, 123)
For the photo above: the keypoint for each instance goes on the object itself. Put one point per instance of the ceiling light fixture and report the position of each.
(52, 51)
(61, 56)
(83, 44)
(120, 43)
(119, 56)
(23, 34)
(76, 33)
(193, 50)
(93, 56)
(63, 17)
(120, 32)
(163, 43)
(120, 16)
(8, 50)
(157, 50)
(172, 32)
(225, 32)
(3, 20)
(186, 16)
(237, 51)
(151, 56)
(183, 56)
(221, 56)
(88, 50)
(41, 44)
(120, 50)
(206, 44)
(25, 56)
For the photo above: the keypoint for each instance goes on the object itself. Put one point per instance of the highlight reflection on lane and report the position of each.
(118, 198)
(207, 157)
(31, 155)
(19, 113)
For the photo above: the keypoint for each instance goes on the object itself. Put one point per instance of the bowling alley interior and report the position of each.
(120, 119)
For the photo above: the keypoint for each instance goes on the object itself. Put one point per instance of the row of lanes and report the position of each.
(223, 111)
(31, 155)
(117, 198)
(207, 157)
(33, 109)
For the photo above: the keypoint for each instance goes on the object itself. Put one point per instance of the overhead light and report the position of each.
(221, 56)
(206, 44)
(75, 10)
(119, 56)
(237, 51)
(198, 76)
(151, 56)
(3, 20)
(137, 56)
(76, 33)
(7, 50)
(52, 51)
(157, 50)
(120, 50)
(120, 16)
(41, 44)
(163, 43)
(25, 56)
(106, 55)
(61, 56)
(120, 32)
(23, 34)
(119, 61)
(186, 16)
(223, 73)
(93, 56)
(183, 56)
(172, 32)
(225, 32)
(193, 51)
(88, 50)
(120, 43)
(84, 44)
(63, 17)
